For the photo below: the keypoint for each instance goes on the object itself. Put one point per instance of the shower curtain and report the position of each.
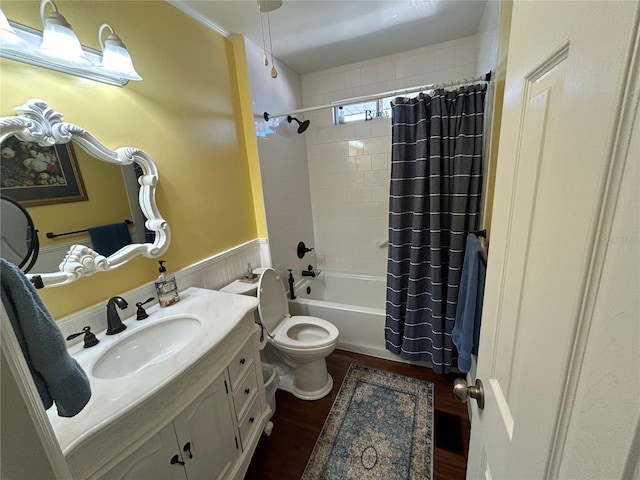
(436, 185)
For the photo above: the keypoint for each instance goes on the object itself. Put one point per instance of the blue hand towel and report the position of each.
(108, 239)
(466, 331)
(56, 374)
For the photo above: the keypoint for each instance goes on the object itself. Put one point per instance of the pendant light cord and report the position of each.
(270, 44)
(264, 46)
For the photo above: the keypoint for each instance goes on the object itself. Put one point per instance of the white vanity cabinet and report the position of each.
(200, 443)
(211, 416)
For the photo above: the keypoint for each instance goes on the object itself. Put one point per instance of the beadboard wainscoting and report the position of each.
(213, 273)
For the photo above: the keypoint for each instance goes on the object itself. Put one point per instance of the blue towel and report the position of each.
(466, 331)
(108, 239)
(56, 374)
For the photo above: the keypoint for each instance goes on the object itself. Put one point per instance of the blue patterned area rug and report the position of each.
(380, 427)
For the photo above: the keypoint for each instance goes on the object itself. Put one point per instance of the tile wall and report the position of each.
(283, 160)
(349, 165)
(329, 187)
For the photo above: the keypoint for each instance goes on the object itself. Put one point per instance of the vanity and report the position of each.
(193, 410)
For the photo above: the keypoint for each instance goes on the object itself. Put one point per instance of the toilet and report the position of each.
(297, 346)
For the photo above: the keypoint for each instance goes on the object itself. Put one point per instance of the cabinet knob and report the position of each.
(242, 361)
(176, 459)
(187, 449)
(246, 390)
(251, 419)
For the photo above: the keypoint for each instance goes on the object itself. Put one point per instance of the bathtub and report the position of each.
(353, 303)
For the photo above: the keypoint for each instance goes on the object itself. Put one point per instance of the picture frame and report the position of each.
(33, 174)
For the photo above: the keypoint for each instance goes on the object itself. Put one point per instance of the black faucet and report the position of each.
(141, 314)
(114, 324)
(90, 339)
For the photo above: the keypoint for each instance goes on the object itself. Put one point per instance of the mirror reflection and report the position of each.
(94, 207)
(105, 216)
(18, 237)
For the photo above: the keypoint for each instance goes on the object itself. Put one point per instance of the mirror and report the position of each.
(18, 237)
(79, 194)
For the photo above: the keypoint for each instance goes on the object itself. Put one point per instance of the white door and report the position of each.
(550, 294)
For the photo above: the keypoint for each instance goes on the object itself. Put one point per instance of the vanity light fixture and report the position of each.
(8, 36)
(57, 48)
(58, 39)
(115, 56)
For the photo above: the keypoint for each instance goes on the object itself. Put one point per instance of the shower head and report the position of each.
(302, 125)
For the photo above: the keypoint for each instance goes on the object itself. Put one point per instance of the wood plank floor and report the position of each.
(297, 423)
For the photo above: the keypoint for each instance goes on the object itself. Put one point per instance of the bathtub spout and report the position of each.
(311, 272)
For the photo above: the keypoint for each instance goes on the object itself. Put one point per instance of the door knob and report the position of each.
(462, 391)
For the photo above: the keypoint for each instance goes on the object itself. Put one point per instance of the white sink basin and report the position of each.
(147, 346)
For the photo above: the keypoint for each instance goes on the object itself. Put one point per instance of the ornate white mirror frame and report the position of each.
(37, 122)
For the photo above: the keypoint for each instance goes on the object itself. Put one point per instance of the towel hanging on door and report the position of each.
(466, 330)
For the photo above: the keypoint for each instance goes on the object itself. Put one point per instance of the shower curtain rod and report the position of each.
(364, 98)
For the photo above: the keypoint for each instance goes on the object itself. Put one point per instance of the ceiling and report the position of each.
(313, 35)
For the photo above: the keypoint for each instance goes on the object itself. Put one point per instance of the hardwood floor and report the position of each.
(297, 424)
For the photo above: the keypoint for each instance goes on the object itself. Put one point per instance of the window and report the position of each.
(364, 111)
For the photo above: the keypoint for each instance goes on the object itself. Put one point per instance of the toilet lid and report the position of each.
(273, 305)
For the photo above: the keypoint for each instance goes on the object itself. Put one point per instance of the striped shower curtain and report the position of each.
(436, 185)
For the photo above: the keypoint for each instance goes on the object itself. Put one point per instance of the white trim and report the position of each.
(197, 16)
(17, 365)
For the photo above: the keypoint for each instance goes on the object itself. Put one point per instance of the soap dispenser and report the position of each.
(166, 287)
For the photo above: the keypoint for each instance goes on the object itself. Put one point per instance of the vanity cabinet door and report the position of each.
(206, 434)
(152, 460)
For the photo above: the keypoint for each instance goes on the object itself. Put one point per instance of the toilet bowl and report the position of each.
(297, 346)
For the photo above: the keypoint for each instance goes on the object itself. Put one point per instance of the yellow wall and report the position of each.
(496, 116)
(184, 114)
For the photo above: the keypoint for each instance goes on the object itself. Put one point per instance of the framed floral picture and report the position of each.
(35, 175)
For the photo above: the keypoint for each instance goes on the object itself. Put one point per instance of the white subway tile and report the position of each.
(353, 78)
(423, 63)
(379, 194)
(363, 194)
(363, 163)
(338, 81)
(323, 85)
(464, 54)
(404, 66)
(370, 75)
(356, 147)
(362, 130)
(357, 179)
(334, 165)
(387, 71)
(349, 164)
(443, 58)
(347, 131)
(371, 145)
(380, 161)
(381, 127)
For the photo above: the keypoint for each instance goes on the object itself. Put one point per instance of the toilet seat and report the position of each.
(273, 308)
(327, 332)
